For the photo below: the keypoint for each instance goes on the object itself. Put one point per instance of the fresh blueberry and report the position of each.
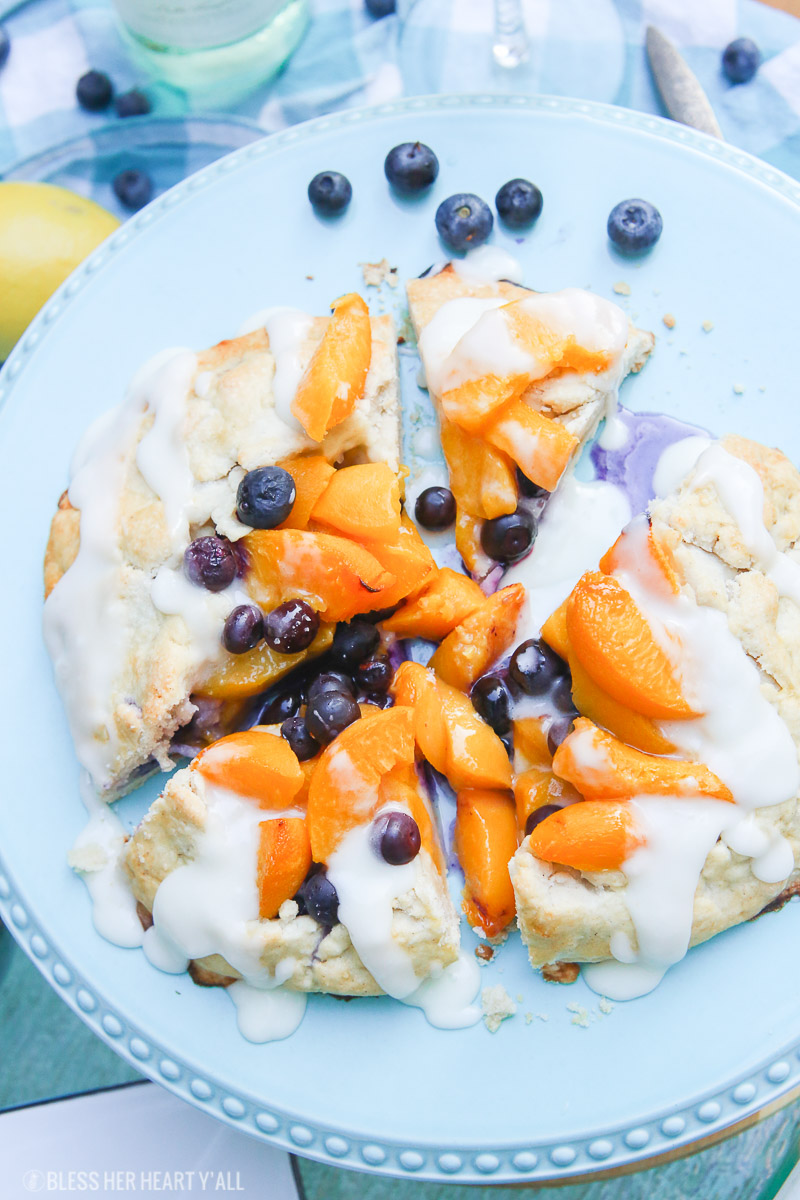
(133, 189)
(265, 497)
(317, 897)
(435, 508)
(291, 627)
(559, 729)
(534, 667)
(509, 538)
(518, 203)
(353, 642)
(132, 104)
(538, 815)
(379, 699)
(492, 701)
(243, 629)
(5, 45)
(561, 695)
(327, 715)
(396, 839)
(279, 708)
(209, 562)
(634, 226)
(411, 166)
(295, 731)
(374, 675)
(331, 681)
(380, 8)
(528, 488)
(330, 192)
(740, 60)
(464, 221)
(94, 91)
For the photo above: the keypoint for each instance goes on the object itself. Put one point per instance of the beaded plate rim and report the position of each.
(665, 1135)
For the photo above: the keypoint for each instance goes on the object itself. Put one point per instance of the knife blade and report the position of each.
(681, 91)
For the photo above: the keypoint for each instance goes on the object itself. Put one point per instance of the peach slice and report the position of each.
(531, 791)
(284, 858)
(599, 765)
(468, 544)
(257, 764)
(401, 787)
(482, 479)
(486, 841)
(540, 446)
(472, 647)
(407, 559)
(449, 733)
(336, 576)
(243, 675)
(555, 353)
(448, 598)
(473, 403)
(311, 475)
(362, 502)
(334, 379)
(613, 640)
(594, 835)
(554, 631)
(530, 740)
(665, 569)
(345, 787)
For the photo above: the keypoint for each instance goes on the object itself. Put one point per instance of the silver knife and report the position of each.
(684, 98)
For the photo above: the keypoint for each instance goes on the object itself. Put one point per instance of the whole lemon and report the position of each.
(45, 231)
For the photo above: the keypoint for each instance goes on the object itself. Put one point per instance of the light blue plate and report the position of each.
(369, 1084)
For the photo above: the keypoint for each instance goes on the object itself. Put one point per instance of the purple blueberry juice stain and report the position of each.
(631, 467)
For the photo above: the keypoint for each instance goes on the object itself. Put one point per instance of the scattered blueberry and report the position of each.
(210, 562)
(279, 708)
(327, 715)
(330, 192)
(464, 221)
(559, 729)
(561, 695)
(509, 538)
(265, 497)
(295, 731)
(528, 488)
(133, 189)
(291, 627)
(634, 226)
(518, 203)
(534, 667)
(5, 45)
(331, 681)
(353, 642)
(538, 815)
(317, 897)
(492, 701)
(435, 508)
(132, 104)
(243, 629)
(379, 699)
(380, 8)
(740, 60)
(374, 675)
(94, 91)
(411, 167)
(395, 837)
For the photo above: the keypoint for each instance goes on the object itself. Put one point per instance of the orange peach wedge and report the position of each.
(311, 474)
(334, 380)
(284, 858)
(447, 599)
(480, 639)
(486, 841)
(241, 675)
(256, 764)
(362, 502)
(482, 478)
(592, 835)
(540, 446)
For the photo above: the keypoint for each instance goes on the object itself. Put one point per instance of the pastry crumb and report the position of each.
(87, 859)
(484, 953)
(288, 910)
(528, 1018)
(519, 997)
(738, 389)
(580, 1015)
(622, 288)
(668, 320)
(497, 1006)
(374, 274)
(707, 326)
(560, 972)
(309, 276)
(542, 1016)
(606, 1005)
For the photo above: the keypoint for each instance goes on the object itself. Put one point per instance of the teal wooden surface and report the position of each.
(46, 1051)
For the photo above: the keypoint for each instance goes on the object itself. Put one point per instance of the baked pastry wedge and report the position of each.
(520, 379)
(323, 876)
(678, 812)
(136, 645)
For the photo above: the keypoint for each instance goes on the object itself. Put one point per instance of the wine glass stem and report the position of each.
(510, 46)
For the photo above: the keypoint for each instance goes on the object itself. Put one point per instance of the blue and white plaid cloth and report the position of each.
(591, 49)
